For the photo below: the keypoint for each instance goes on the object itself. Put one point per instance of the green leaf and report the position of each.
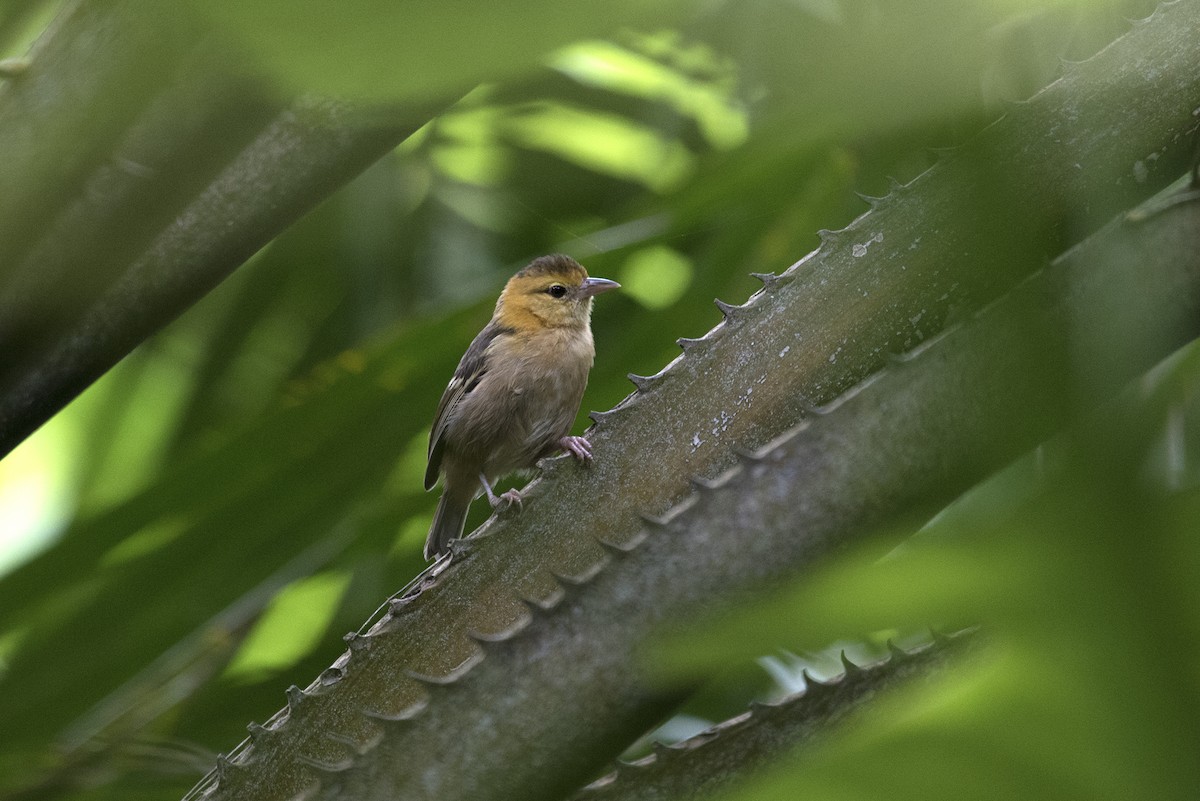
(380, 50)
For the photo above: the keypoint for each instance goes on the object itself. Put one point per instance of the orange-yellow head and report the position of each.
(551, 292)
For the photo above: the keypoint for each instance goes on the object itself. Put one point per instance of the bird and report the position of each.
(516, 392)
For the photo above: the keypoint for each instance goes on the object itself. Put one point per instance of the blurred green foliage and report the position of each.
(196, 531)
(380, 50)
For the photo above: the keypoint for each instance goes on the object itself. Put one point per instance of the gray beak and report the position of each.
(594, 286)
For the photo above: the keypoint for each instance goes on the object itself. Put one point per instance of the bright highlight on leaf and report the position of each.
(657, 276)
(479, 164)
(619, 69)
(290, 627)
(146, 541)
(35, 492)
(606, 143)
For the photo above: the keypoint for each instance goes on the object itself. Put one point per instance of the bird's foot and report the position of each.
(578, 447)
(502, 502)
(505, 501)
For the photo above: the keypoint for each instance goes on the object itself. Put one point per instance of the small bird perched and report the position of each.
(515, 393)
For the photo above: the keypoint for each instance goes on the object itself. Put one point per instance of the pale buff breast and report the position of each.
(527, 400)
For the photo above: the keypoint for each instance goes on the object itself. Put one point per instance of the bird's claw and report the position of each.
(506, 500)
(578, 447)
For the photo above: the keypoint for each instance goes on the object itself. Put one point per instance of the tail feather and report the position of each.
(448, 522)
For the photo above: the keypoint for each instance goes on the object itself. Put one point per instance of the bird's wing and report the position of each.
(470, 370)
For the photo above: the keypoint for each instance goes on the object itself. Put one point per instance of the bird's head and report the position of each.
(552, 292)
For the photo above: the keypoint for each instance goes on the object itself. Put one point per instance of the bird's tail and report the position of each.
(448, 522)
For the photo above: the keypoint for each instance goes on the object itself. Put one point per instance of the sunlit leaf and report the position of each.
(290, 626)
(656, 276)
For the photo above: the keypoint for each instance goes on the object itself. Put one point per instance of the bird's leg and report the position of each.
(578, 447)
(503, 501)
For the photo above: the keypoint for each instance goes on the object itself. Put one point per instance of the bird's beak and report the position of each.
(594, 286)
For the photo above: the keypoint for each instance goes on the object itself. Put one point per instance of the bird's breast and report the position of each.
(529, 397)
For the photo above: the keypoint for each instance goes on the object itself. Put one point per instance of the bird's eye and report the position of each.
(557, 290)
